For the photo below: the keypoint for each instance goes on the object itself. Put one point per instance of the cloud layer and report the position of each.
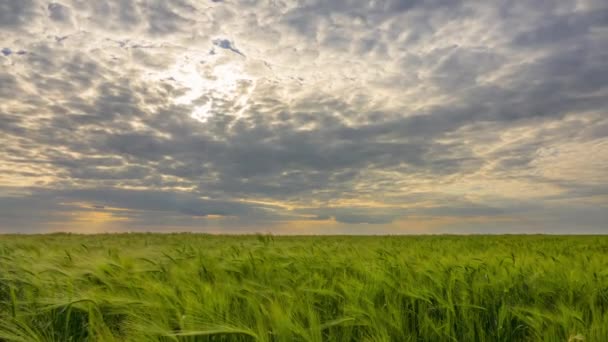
(304, 116)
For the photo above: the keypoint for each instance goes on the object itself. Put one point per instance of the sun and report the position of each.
(210, 81)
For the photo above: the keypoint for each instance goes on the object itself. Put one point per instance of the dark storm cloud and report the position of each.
(560, 29)
(8, 85)
(51, 206)
(186, 204)
(357, 101)
(27, 214)
(356, 215)
(59, 12)
(383, 215)
(16, 13)
(163, 17)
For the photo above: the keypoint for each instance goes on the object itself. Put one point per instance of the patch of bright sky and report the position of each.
(209, 80)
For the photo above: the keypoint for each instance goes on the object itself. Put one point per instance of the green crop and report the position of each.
(193, 287)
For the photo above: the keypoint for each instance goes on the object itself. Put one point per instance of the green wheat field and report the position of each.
(195, 287)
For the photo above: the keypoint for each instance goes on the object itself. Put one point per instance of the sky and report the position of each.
(304, 117)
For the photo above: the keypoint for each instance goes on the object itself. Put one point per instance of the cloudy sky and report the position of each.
(304, 117)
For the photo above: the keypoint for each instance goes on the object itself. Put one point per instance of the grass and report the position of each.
(190, 287)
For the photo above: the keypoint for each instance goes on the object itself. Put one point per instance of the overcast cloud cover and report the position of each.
(324, 117)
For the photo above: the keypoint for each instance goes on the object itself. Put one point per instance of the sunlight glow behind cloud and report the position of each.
(224, 82)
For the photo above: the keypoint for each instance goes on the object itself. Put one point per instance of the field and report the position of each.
(190, 287)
